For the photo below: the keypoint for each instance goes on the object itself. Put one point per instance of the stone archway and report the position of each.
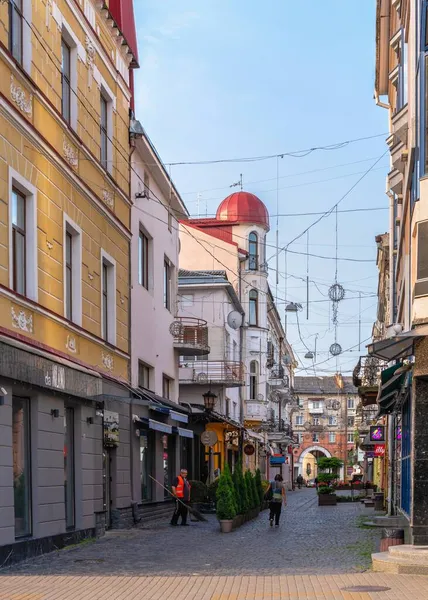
(316, 451)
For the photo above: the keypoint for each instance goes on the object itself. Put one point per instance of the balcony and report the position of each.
(400, 124)
(190, 336)
(395, 181)
(366, 377)
(221, 372)
(315, 410)
(399, 153)
(278, 380)
(256, 411)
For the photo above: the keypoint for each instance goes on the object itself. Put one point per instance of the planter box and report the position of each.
(327, 500)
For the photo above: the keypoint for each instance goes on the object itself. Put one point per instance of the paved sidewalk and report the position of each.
(290, 587)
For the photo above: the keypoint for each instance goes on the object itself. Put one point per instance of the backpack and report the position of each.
(276, 492)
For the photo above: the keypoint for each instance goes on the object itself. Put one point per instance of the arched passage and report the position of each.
(308, 461)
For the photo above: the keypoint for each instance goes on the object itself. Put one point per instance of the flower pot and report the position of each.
(226, 525)
(327, 500)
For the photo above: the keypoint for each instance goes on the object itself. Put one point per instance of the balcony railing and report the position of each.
(190, 336)
(366, 377)
(316, 410)
(224, 372)
(256, 411)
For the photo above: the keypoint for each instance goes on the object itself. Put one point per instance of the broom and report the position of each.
(191, 510)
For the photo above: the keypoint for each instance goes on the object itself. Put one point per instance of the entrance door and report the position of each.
(107, 485)
(69, 468)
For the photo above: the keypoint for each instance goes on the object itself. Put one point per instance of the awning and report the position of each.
(187, 433)
(391, 379)
(176, 416)
(255, 436)
(157, 426)
(159, 408)
(398, 346)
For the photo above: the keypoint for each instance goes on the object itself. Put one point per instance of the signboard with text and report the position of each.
(379, 450)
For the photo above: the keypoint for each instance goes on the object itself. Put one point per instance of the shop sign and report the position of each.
(377, 433)
(249, 449)
(111, 428)
(370, 454)
(209, 438)
(379, 450)
(277, 459)
(56, 377)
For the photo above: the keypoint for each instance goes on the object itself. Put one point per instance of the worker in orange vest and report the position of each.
(181, 490)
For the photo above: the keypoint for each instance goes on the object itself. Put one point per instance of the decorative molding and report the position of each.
(90, 58)
(108, 198)
(20, 320)
(49, 244)
(19, 96)
(71, 344)
(48, 14)
(70, 153)
(90, 276)
(108, 361)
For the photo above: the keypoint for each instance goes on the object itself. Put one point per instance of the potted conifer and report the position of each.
(226, 505)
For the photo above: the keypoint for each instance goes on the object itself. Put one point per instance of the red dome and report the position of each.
(243, 207)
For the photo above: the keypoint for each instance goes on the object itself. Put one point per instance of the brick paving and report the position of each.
(314, 554)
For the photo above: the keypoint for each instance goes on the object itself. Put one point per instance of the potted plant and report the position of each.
(326, 497)
(226, 506)
(259, 487)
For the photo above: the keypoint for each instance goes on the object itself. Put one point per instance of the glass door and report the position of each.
(146, 464)
(21, 465)
(69, 475)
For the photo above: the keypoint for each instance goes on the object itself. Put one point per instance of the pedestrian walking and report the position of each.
(181, 491)
(276, 493)
(299, 481)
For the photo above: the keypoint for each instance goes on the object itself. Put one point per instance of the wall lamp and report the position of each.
(2, 396)
(90, 420)
(55, 413)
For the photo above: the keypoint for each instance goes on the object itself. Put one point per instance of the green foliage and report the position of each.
(325, 490)
(251, 490)
(228, 476)
(199, 491)
(265, 486)
(226, 505)
(256, 499)
(259, 487)
(326, 477)
(329, 464)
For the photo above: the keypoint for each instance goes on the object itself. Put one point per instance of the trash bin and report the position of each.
(379, 499)
(391, 537)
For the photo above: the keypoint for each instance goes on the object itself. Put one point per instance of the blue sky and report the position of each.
(235, 78)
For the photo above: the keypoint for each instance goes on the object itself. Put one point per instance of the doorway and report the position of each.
(107, 496)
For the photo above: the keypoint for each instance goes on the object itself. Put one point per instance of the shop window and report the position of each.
(147, 449)
(21, 465)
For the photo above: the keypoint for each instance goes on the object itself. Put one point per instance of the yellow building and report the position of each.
(65, 97)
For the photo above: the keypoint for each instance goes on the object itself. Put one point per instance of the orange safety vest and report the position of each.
(179, 490)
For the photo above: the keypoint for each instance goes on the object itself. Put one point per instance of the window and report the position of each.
(316, 421)
(166, 284)
(227, 408)
(332, 420)
(72, 271)
(66, 80)
(351, 421)
(69, 468)
(19, 250)
(235, 407)
(143, 260)
(108, 298)
(350, 438)
(332, 438)
(104, 132)
(351, 403)
(316, 437)
(299, 420)
(253, 299)
(187, 300)
(21, 465)
(144, 372)
(316, 404)
(422, 259)
(68, 275)
(147, 457)
(166, 387)
(254, 376)
(16, 29)
(253, 258)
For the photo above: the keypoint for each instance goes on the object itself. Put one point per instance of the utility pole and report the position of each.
(345, 458)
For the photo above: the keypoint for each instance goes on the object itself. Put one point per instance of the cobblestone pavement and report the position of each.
(315, 554)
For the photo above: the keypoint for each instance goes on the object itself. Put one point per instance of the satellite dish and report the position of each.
(234, 319)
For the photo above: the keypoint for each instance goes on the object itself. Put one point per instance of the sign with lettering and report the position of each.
(377, 433)
(55, 377)
(111, 428)
(379, 450)
(277, 459)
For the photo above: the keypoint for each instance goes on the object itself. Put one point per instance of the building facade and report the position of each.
(325, 423)
(65, 96)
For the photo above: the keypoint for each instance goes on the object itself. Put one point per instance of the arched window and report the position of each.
(253, 312)
(253, 251)
(254, 379)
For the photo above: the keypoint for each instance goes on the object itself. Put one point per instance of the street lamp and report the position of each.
(209, 400)
(312, 355)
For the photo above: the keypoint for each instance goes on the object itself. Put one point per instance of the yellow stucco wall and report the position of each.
(63, 166)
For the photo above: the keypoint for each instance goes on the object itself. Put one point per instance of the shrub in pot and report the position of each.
(226, 506)
(199, 492)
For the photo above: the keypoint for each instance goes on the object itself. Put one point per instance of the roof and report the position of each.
(188, 278)
(122, 12)
(243, 207)
(323, 385)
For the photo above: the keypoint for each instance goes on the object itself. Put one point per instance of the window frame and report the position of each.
(148, 371)
(352, 441)
(351, 403)
(19, 13)
(143, 258)
(166, 386)
(17, 230)
(254, 380)
(104, 132)
(72, 229)
(16, 181)
(253, 251)
(108, 317)
(167, 272)
(253, 307)
(332, 437)
(299, 420)
(65, 81)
